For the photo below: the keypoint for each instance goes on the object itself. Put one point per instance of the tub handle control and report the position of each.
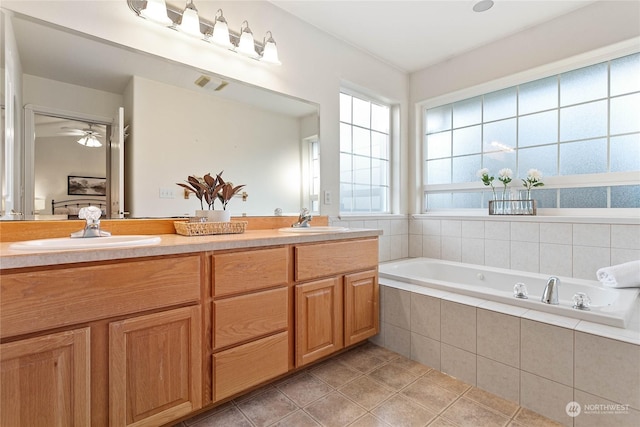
(581, 301)
(520, 291)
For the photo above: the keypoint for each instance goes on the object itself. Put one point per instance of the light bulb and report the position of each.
(270, 52)
(190, 21)
(156, 11)
(246, 45)
(220, 34)
(89, 141)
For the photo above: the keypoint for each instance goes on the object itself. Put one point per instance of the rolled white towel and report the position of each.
(625, 275)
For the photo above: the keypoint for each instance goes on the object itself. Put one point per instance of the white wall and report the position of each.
(313, 63)
(593, 27)
(206, 134)
(72, 98)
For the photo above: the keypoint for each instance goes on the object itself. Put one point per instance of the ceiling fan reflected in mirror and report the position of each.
(88, 136)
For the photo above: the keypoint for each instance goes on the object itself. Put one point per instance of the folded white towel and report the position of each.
(625, 275)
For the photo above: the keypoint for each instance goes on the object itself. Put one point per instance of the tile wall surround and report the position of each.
(515, 353)
(572, 247)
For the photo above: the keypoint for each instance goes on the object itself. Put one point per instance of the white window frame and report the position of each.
(389, 201)
(552, 182)
(312, 198)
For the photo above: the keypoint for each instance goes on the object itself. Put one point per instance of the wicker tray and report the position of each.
(186, 228)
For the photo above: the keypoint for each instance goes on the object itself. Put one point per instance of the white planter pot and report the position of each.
(214, 216)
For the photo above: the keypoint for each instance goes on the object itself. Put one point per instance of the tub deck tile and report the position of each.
(551, 319)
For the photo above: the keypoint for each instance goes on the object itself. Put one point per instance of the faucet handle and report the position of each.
(581, 301)
(90, 213)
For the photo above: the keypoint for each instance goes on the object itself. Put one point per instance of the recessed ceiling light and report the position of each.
(483, 5)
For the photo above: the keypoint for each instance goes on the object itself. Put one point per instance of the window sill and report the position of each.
(368, 217)
(481, 214)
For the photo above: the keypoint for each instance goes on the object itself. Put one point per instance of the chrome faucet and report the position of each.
(92, 227)
(550, 293)
(303, 220)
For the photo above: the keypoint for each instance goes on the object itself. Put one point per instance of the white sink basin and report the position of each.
(85, 243)
(312, 229)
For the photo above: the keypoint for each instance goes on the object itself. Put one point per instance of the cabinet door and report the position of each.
(319, 327)
(361, 310)
(155, 369)
(45, 381)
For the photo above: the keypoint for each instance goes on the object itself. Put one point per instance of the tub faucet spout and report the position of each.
(550, 293)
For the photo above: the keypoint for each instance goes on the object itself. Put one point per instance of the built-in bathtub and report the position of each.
(463, 320)
(609, 306)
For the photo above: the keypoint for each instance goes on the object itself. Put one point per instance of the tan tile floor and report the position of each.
(369, 386)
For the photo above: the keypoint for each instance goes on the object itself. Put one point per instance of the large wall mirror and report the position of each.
(176, 121)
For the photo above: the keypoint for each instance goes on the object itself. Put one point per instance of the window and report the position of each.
(581, 129)
(314, 176)
(364, 155)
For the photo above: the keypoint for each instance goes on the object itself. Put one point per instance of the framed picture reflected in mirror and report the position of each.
(86, 186)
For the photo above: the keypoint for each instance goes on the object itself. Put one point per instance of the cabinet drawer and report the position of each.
(46, 299)
(245, 317)
(240, 272)
(241, 367)
(328, 259)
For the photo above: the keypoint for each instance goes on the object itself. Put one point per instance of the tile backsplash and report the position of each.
(562, 248)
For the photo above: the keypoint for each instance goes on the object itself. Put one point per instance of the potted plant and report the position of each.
(209, 189)
(226, 191)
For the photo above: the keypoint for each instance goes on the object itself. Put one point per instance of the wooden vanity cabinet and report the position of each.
(107, 343)
(337, 296)
(45, 381)
(147, 341)
(251, 321)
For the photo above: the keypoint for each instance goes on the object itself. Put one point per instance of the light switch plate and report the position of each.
(327, 197)
(166, 193)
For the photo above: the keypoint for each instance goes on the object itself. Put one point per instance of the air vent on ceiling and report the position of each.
(210, 83)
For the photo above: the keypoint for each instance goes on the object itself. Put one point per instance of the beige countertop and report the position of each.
(171, 244)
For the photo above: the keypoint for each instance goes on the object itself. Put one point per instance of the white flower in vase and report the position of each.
(487, 180)
(504, 175)
(534, 179)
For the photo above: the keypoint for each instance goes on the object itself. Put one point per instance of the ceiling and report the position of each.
(412, 35)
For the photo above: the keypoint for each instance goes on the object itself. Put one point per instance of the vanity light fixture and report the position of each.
(190, 23)
(89, 141)
(246, 45)
(156, 11)
(270, 52)
(217, 32)
(220, 34)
